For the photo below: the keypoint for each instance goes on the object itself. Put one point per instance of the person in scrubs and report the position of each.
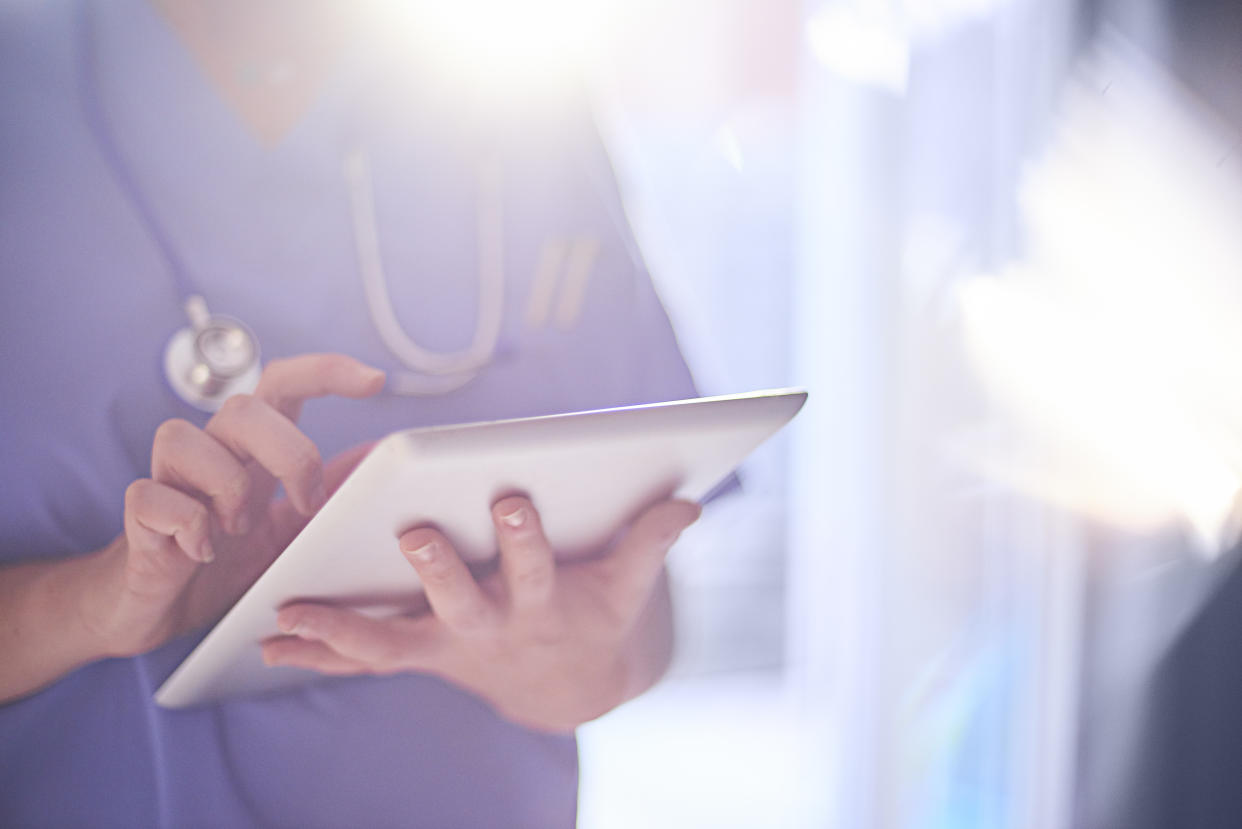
(152, 151)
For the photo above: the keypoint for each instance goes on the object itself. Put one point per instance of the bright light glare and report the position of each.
(505, 43)
(1116, 348)
(869, 41)
(729, 147)
(865, 48)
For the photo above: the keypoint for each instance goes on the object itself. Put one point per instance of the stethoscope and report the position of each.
(217, 356)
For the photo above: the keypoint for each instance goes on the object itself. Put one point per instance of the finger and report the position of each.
(634, 564)
(157, 514)
(381, 644)
(287, 522)
(252, 430)
(341, 466)
(185, 456)
(527, 563)
(454, 595)
(285, 384)
(314, 656)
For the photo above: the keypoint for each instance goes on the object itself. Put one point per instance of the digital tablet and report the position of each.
(588, 473)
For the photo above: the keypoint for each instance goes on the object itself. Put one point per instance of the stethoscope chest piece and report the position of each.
(212, 359)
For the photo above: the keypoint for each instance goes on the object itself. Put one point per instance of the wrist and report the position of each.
(93, 585)
(46, 630)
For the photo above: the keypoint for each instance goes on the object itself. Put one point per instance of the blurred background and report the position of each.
(975, 582)
(992, 238)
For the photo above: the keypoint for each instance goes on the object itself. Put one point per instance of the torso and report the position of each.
(88, 307)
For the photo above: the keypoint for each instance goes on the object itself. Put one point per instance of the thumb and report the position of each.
(636, 561)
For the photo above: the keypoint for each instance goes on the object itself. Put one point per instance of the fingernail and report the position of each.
(425, 553)
(205, 553)
(286, 623)
(319, 496)
(516, 518)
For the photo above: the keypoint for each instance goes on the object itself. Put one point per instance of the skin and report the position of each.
(196, 533)
(548, 646)
(266, 59)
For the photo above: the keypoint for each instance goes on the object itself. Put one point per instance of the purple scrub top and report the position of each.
(266, 233)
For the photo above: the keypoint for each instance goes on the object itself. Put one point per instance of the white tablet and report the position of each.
(587, 473)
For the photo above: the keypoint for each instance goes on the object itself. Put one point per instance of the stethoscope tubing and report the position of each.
(427, 372)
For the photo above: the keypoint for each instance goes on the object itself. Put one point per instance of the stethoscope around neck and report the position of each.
(217, 356)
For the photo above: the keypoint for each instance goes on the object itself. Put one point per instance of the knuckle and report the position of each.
(305, 460)
(275, 375)
(198, 519)
(238, 484)
(533, 581)
(311, 617)
(323, 624)
(473, 621)
(138, 493)
(237, 407)
(172, 431)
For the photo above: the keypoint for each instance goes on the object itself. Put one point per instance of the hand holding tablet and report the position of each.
(579, 480)
(549, 647)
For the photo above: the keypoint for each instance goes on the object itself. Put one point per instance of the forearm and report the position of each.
(43, 633)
